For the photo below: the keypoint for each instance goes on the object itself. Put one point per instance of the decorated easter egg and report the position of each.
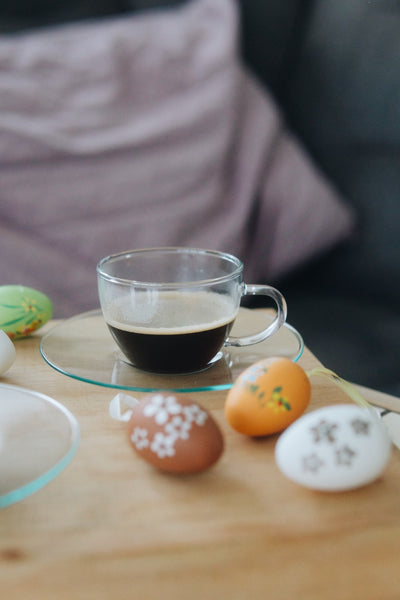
(334, 448)
(175, 434)
(267, 397)
(7, 352)
(23, 310)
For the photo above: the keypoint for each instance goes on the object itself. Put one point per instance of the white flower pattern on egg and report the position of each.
(163, 445)
(178, 428)
(174, 434)
(139, 438)
(194, 413)
(160, 408)
(177, 421)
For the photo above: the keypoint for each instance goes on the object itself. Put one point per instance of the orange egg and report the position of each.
(267, 397)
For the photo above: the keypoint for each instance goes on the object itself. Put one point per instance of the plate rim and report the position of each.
(23, 491)
(97, 312)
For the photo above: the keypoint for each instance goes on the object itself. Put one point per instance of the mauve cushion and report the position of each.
(145, 131)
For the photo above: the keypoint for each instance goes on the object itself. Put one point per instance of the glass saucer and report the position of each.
(82, 348)
(38, 438)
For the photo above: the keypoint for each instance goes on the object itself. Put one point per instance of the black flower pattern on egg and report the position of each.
(360, 426)
(312, 463)
(324, 431)
(345, 456)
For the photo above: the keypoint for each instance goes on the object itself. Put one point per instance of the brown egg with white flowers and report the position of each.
(175, 434)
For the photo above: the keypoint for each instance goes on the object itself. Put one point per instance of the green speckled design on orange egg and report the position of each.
(276, 401)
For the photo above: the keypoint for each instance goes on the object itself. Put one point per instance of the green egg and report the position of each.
(23, 310)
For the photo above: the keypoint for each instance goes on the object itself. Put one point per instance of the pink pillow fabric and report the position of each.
(147, 131)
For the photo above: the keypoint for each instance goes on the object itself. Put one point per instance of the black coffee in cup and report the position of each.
(182, 334)
(171, 309)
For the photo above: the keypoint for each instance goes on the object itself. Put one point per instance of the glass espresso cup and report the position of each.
(171, 310)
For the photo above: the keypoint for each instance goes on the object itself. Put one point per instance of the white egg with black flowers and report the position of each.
(335, 448)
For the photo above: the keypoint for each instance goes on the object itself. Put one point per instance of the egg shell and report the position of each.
(23, 310)
(267, 397)
(174, 434)
(335, 448)
(7, 352)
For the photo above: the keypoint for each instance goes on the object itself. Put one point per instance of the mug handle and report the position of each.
(262, 290)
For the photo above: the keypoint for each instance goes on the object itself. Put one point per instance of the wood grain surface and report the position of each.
(110, 526)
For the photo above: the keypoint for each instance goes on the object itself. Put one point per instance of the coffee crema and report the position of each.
(183, 335)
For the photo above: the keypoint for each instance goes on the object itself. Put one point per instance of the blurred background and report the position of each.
(333, 68)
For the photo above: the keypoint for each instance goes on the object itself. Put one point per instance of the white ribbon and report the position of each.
(115, 408)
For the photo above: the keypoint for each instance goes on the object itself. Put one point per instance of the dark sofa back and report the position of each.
(336, 75)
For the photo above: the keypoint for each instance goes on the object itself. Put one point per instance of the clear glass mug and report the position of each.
(171, 310)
